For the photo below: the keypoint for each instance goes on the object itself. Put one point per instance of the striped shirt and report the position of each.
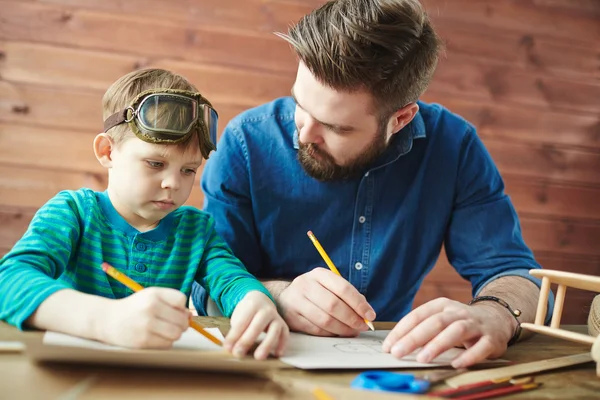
(71, 235)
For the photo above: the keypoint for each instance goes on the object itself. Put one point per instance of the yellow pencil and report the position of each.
(320, 394)
(330, 265)
(136, 287)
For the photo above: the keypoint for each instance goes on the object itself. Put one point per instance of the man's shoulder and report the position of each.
(443, 125)
(267, 126)
(280, 109)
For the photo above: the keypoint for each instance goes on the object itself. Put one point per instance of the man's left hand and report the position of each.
(484, 329)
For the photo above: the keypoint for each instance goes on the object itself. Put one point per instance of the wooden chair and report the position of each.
(563, 280)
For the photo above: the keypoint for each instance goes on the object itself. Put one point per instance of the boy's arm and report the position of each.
(29, 272)
(224, 277)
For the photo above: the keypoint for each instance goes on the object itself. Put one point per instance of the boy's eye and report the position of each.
(189, 171)
(154, 164)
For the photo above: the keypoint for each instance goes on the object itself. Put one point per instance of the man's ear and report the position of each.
(401, 118)
(103, 148)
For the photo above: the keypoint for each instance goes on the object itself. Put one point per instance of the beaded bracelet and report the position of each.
(515, 313)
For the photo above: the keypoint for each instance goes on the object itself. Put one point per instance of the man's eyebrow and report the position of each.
(335, 127)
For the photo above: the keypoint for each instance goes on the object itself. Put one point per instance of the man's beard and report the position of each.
(325, 169)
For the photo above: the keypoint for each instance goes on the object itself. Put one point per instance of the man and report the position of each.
(382, 180)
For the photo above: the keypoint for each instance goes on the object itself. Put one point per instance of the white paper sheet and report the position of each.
(191, 339)
(362, 352)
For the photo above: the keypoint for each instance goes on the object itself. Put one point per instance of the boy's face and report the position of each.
(148, 181)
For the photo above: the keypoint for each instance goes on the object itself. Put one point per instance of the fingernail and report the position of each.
(238, 352)
(370, 315)
(457, 364)
(398, 350)
(424, 356)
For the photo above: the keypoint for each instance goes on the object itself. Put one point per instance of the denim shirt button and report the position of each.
(362, 219)
(140, 246)
(139, 267)
(358, 266)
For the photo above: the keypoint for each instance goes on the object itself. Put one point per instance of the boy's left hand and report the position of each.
(256, 313)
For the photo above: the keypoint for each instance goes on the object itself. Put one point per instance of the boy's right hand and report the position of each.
(151, 318)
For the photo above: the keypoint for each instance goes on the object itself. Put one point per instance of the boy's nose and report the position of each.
(171, 181)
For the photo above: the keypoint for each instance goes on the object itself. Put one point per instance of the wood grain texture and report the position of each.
(526, 73)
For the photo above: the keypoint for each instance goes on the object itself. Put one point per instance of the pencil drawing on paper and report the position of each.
(365, 347)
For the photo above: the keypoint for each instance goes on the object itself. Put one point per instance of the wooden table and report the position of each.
(20, 379)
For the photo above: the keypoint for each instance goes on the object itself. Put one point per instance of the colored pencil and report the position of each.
(136, 287)
(331, 265)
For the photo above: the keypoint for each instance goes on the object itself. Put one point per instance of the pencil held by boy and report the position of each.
(157, 131)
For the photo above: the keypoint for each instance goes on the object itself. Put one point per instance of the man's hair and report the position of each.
(386, 47)
(123, 91)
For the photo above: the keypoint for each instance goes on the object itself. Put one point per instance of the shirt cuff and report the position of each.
(524, 273)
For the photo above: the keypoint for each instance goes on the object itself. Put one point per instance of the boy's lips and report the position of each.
(164, 204)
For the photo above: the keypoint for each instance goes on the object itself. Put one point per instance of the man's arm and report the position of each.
(520, 293)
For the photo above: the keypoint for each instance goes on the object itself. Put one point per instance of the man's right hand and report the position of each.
(322, 303)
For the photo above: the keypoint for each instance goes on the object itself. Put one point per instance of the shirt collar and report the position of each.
(119, 223)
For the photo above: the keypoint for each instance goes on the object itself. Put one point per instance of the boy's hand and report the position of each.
(151, 318)
(256, 313)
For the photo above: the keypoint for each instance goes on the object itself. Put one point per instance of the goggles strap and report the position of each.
(115, 119)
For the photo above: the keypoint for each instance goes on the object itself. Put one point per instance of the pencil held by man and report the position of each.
(331, 265)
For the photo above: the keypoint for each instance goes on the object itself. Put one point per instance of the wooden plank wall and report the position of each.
(526, 72)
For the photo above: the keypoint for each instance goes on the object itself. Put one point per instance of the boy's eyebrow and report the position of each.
(335, 127)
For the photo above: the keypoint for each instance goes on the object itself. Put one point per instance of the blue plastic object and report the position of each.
(385, 381)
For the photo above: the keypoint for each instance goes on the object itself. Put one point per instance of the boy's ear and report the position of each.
(103, 147)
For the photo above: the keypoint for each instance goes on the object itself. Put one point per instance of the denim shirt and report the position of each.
(435, 185)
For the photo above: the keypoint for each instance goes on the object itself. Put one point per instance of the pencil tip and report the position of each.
(370, 325)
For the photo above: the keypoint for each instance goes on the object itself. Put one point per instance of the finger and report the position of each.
(175, 316)
(323, 320)
(456, 333)
(172, 297)
(298, 323)
(350, 296)
(269, 342)
(248, 338)
(240, 321)
(476, 353)
(284, 337)
(150, 340)
(425, 332)
(411, 320)
(165, 330)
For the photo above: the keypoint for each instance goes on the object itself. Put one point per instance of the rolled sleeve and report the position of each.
(484, 240)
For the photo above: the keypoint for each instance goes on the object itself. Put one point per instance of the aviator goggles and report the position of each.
(169, 116)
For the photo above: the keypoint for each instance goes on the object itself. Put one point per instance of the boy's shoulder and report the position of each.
(82, 199)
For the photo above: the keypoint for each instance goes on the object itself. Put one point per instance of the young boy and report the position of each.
(157, 130)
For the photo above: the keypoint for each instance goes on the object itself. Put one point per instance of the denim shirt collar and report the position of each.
(401, 143)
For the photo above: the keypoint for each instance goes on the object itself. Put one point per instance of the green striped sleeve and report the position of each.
(223, 275)
(29, 271)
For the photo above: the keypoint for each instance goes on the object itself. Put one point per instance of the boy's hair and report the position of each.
(387, 47)
(124, 90)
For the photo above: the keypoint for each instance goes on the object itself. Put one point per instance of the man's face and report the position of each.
(338, 136)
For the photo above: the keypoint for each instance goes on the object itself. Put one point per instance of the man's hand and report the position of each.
(484, 329)
(322, 303)
(255, 314)
(151, 318)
